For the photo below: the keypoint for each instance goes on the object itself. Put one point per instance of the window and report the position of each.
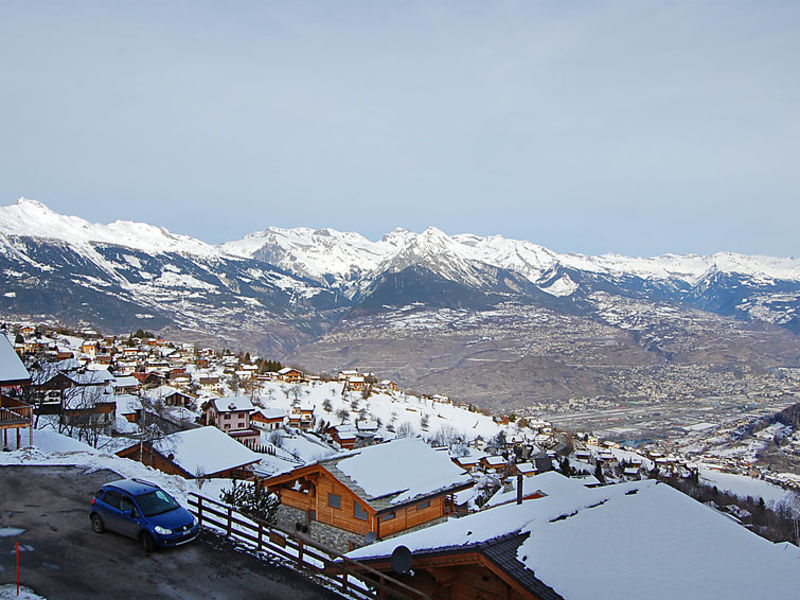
(423, 505)
(359, 512)
(334, 500)
(227, 416)
(113, 499)
(387, 516)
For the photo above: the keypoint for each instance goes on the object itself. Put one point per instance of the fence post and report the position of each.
(300, 550)
(260, 534)
(199, 510)
(230, 516)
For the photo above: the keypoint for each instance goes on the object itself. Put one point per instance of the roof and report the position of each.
(205, 450)
(232, 404)
(12, 371)
(397, 472)
(135, 487)
(659, 532)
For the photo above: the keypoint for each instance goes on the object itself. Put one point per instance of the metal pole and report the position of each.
(17, 543)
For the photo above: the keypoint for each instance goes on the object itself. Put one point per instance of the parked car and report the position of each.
(143, 511)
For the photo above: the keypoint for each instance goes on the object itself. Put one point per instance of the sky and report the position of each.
(636, 127)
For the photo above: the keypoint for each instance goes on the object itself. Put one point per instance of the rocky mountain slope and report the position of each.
(428, 309)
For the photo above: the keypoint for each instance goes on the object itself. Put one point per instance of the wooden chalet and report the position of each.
(195, 453)
(343, 435)
(353, 492)
(290, 375)
(269, 419)
(14, 413)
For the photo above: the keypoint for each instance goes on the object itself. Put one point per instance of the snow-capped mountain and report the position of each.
(281, 288)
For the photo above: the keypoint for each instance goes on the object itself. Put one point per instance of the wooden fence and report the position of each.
(351, 578)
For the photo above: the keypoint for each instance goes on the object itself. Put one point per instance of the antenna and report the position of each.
(401, 560)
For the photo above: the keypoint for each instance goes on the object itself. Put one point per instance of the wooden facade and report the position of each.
(147, 455)
(316, 491)
(460, 575)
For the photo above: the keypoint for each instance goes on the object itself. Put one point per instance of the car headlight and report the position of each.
(162, 530)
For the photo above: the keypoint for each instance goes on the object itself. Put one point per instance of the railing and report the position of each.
(350, 577)
(21, 415)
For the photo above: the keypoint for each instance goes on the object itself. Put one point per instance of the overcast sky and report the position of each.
(632, 127)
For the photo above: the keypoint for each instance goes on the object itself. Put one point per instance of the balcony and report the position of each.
(15, 414)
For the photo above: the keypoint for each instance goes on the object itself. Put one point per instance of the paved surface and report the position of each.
(61, 557)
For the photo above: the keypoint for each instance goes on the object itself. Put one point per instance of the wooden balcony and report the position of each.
(15, 414)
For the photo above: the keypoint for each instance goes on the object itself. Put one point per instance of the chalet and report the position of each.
(367, 429)
(149, 380)
(355, 384)
(345, 375)
(232, 415)
(470, 463)
(290, 375)
(269, 419)
(201, 452)
(494, 464)
(89, 406)
(209, 384)
(90, 348)
(525, 468)
(343, 436)
(14, 414)
(388, 384)
(125, 385)
(302, 417)
(382, 489)
(529, 551)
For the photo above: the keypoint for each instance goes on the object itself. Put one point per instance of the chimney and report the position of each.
(519, 488)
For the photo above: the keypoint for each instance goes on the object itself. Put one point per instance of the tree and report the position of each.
(424, 421)
(326, 405)
(598, 472)
(406, 430)
(343, 414)
(252, 499)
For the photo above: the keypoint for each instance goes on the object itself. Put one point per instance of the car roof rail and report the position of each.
(140, 480)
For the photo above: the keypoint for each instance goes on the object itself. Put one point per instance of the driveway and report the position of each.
(60, 557)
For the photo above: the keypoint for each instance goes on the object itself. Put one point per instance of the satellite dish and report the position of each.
(370, 537)
(401, 560)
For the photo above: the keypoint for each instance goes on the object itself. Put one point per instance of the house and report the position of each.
(302, 416)
(125, 385)
(171, 396)
(381, 489)
(268, 419)
(388, 384)
(232, 415)
(14, 413)
(355, 384)
(343, 436)
(290, 375)
(345, 375)
(209, 384)
(495, 464)
(89, 406)
(149, 380)
(201, 452)
(561, 546)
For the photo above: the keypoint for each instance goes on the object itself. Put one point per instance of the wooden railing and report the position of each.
(20, 415)
(352, 578)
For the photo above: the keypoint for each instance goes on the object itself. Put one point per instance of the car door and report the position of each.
(130, 517)
(112, 511)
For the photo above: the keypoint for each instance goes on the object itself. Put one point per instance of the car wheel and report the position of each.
(97, 524)
(147, 542)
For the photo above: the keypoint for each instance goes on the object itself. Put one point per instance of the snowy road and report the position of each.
(61, 558)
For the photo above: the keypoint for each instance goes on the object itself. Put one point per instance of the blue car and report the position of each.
(143, 511)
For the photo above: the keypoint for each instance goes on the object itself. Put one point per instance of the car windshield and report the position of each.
(156, 503)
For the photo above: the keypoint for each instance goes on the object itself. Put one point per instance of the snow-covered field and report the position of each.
(742, 485)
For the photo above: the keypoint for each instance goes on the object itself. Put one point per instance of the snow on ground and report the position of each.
(9, 592)
(387, 407)
(54, 449)
(742, 485)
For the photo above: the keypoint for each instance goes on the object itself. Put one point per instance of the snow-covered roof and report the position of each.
(205, 450)
(405, 468)
(11, 367)
(668, 545)
(127, 403)
(232, 404)
(92, 377)
(272, 412)
(126, 381)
